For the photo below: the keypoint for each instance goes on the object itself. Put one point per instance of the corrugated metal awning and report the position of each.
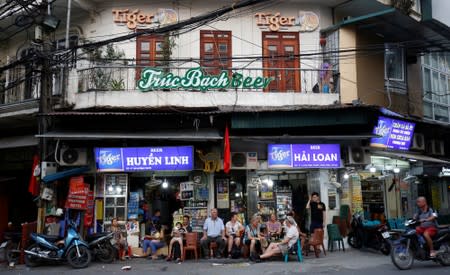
(407, 156)
(192, 135)
(18, 141)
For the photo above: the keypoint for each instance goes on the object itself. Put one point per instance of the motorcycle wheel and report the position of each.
(401, 257)
(105, 253)
(30, 260)
(12, 254)
(79, 262)
(444, 258)
(385, 247)
(353, 241)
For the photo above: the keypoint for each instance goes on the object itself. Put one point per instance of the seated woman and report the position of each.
(120, 242)
(154, 239)
(283, 247)
(273, 227)
(177, 236)
(233, 230)
(253, 237)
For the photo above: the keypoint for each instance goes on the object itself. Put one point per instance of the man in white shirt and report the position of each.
(213, 230)
(289, 240)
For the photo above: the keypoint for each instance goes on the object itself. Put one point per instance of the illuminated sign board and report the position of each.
(394, 134)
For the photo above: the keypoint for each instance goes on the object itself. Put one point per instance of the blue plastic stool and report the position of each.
(299, 252)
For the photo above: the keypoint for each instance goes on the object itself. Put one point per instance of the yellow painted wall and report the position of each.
(347, 67)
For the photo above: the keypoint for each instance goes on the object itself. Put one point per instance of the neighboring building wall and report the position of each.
(348, 79)
(370, 70)
(415, 95)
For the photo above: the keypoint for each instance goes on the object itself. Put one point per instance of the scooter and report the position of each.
(411, 246)
(376, 237)
(50, 249)
(101, 247)
(11, 246)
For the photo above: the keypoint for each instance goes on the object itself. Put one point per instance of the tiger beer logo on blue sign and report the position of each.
(109, 159)
(280, 155)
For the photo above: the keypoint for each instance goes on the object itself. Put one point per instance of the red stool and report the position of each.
(212, 248)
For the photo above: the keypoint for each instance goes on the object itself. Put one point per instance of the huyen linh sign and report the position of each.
(135, 18)
(196, 79)
(307, 21)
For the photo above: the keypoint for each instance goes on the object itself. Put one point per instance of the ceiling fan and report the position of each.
(153, 182)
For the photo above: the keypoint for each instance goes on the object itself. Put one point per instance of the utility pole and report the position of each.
(45, 106)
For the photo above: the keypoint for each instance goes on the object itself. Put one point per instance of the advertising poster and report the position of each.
(198, 217)
(186, 190)
(222, 194)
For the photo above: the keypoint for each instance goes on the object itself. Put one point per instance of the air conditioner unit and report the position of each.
(358, 155)
(73, 157)
(436, 147)
(244, 160)
(418, 142)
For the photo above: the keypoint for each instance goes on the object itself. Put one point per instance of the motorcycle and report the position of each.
(101, 247)
(411, 246)
(11, 246)
(375, 237)
(46, 248)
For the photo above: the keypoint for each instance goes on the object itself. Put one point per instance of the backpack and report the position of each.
(235, 252)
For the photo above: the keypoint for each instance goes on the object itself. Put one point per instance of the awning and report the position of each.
(65, 174)
(200, 135)
(407, 156)
(18, 141)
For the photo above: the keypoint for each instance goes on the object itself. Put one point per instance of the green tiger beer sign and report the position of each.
(196, 79)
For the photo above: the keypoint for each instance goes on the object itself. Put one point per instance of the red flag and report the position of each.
(33, 186)
(226, 152)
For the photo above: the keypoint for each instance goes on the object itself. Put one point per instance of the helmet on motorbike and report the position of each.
(59, 212)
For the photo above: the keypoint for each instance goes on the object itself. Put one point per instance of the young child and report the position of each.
(177, 236)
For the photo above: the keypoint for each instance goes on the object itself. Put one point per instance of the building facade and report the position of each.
(137, 97)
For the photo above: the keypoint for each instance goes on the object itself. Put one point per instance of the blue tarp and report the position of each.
(65, 174)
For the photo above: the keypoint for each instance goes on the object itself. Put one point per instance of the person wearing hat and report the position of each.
(289, 240)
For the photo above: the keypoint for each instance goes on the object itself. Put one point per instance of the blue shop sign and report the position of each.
(394, 134)
(130, 159)
(304, 156)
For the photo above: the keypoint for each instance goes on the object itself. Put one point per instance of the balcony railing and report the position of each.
(125, 78)
(19, 85)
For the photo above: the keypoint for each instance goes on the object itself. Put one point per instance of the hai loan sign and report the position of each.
(196, 79)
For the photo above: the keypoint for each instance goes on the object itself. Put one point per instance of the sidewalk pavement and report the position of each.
(348, 262)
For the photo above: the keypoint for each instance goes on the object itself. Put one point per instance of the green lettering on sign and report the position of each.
(195, 78)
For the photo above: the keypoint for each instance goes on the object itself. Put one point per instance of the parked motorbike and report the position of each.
(11, 246)
(101, 247)
(375, 237)
(48, 249)
(411, 246)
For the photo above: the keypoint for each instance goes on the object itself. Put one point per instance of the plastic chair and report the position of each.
(392, 224)
(191, 244)
(297, 248)
(334, 236)
(400, 223)
(316, 242)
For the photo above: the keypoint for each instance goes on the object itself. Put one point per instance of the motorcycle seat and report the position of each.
(49, 238)
(92, 237)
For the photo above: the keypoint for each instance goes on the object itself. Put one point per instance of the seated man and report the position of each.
(213, 230)
(289, 240)
(427, 218)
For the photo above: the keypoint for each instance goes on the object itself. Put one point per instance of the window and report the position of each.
(436, 86)
(282, 64)
(215, 51)
(149, 52)
(394, 66)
